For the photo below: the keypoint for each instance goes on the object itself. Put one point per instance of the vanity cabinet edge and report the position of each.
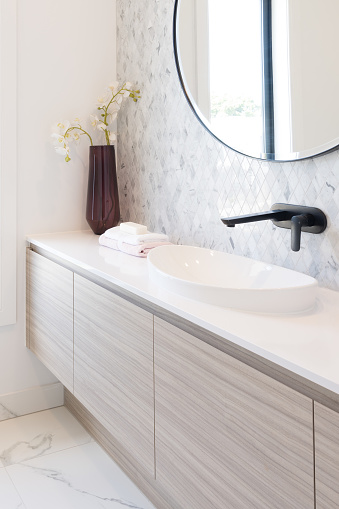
(322, 412)
(113, 367)
(50, 321)
(271, 369)
(326, 431)
(28, 289)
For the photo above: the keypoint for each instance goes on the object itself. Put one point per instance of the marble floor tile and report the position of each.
(30, 436)
(9, 497)
(6, 413)
(83, 477)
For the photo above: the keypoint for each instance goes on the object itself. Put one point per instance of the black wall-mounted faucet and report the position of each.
(297, 218)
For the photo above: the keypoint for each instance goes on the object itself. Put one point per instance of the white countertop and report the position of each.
(306, 344)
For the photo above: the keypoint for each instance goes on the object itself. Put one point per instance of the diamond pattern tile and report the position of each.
(176, 178)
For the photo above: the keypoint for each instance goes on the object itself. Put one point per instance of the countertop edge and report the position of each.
(248, 353)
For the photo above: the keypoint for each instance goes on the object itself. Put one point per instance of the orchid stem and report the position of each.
(80, 129)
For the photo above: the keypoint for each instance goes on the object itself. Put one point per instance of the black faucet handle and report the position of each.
(297, 223)
(319, 222)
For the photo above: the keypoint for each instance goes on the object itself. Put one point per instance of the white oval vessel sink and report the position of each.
(231, 281)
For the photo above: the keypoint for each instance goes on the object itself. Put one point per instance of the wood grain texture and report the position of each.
(113, 367)
(227, 436)
(271, 369)
(50, 297)
(146, 483)
(28, 291)
(326, 426)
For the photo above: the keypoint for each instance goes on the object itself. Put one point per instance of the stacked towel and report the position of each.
(136, 245)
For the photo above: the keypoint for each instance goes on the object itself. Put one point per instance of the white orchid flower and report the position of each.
(94, 120)
(108, 104)
(63, 151)
(58, 138)
(63, 126)
(69, 135)
(113, 109)
(111, 117)
(112, 136)
(74, 135)
(101, 126)
(103, 100)
(113, 86)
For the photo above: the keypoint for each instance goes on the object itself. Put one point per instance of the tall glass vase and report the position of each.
(102, 210)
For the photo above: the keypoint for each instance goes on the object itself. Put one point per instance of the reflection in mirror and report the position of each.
(261, 74)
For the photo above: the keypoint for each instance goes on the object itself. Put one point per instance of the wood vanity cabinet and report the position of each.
(196, 428)
(326, 428)
(50, 315)
(113, 368)
(227, 436)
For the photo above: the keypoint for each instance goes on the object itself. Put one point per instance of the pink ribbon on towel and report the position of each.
(140, 250)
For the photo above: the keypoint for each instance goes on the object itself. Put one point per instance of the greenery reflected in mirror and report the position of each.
(261, 74)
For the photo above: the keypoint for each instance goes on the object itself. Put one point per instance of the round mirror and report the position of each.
(261, 75)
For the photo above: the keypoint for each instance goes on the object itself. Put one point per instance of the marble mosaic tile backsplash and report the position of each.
(176, 178)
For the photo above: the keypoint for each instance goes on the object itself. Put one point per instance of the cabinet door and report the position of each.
(326, 426)
(227, 436)
(113, 367)
(50, 315)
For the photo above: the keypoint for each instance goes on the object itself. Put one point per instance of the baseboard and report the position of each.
(31, 400)
(148, 485)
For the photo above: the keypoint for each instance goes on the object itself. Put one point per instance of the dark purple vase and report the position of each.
(102, 210)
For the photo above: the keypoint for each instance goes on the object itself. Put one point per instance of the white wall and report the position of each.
(66, 57)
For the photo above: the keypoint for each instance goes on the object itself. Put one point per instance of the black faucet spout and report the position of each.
(276, 215)
(297, 218)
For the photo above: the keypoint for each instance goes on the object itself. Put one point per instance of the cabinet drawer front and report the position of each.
(227, 436)
(50, 324)
(113, 367)
(326, 426)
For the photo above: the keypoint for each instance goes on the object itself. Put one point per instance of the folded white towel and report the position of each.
(134, 240)
(140, 250)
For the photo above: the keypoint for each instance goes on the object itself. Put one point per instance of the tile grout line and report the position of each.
(15, 488)
(88, 441)
(23, 462)
(80, 490)
(30, 413)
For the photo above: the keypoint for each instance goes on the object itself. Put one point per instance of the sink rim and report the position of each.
(244, 259)
(268, 300)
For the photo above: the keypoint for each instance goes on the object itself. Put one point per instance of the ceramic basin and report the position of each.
(231, 281)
